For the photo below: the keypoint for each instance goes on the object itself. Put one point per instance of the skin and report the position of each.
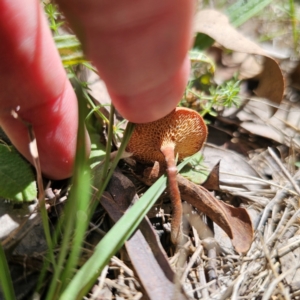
(138, 46)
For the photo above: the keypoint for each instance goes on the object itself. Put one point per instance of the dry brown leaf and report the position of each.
(150, 261)
(213, 179)
(233, 166)
(216, 25)
(234, 221)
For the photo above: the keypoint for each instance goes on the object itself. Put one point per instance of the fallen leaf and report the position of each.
(232, 166)
(195, 170)
(234, 221)
(212, 182)
(150, 261)
(216, 25)
(264, 130)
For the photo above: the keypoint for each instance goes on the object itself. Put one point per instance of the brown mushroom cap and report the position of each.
(183, 128)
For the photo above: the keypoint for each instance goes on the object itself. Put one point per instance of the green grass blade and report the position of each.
(81, 196)
(108, 149)
(127, 134)
(5, 278)
(294, 22)
(241, 11)
(114, 240)
(79, 192)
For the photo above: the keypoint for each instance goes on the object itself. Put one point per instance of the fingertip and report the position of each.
(155, 103)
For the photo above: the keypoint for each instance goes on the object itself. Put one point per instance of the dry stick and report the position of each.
(278, 280)
(97, 293)
(279, 197)
(211, 245)
(286, 249)
(236, 288)
(205, 286)
(255, 180)
(291, 221)
(269, 259)
(176, 223)
(284, 218)
(229, 290)
(205, 293)
(193, 259)
(266, 282)
(121, 264)
(284, 170)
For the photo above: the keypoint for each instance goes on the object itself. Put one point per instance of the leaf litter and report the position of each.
(251, 181)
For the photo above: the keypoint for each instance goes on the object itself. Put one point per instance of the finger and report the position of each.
(33, 80)
(139, 48)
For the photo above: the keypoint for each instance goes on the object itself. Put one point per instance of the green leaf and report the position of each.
(98, 152)
(17, 179)
(69, 49)
(202, 42)
(195, 171)
(243, 10)
(201, 65)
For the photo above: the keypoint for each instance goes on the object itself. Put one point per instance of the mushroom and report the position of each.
(178, 135)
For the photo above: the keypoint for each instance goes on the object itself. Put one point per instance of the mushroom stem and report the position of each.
(176, 223)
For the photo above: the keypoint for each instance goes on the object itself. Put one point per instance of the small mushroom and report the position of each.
(179, 134)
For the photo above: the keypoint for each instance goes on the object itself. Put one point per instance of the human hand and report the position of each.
(138, 46)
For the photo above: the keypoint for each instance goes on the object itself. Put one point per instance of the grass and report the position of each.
(5, 278)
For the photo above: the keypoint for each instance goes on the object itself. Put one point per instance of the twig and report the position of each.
(207, 285)
(96, 293)
(236, 287)
(284, 170)
(269, 259)
(229, 290)
(120, 264)
(291, 221)
(289, 190)
(275, 235)
(279, 197)
(193, 259)
(202, 279)
(278, 280)
(288, 248)
(212, 246)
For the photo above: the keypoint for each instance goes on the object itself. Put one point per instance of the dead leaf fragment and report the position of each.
(216, 25)
(234, 221)
(143, 247)
(213, 179)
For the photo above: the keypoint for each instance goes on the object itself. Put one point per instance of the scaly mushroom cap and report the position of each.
(183, 128)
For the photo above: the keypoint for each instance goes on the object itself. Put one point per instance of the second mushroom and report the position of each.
(178, 135)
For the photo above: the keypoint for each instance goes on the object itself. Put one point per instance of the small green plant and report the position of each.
(225, 95)
(53, 15)
(219, 97)
(195, 170)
